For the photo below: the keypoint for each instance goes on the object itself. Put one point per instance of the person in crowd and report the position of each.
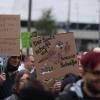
(23, 78)
(21, 66)
(88, 88)
(65, 83)
(29, 65)
(68, 80)
(10, 72)
(79, 56)
(35, 93)
(23, 81)
(2, 78)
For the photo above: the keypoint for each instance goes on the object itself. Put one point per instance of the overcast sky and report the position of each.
(86, 11)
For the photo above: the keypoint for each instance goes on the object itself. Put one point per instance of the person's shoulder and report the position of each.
(12, 97)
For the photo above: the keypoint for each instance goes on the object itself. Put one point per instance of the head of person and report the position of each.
(79, 56)
(91, 71)
(29, 62)
(13, 63)
(22, 80)
(31, 93)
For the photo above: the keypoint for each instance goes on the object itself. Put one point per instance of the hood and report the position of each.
(77, 88)
(11, 68)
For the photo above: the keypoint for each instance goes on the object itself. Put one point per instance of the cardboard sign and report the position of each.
(55, 56)
(25, 39)
(9, 47)
(9, 35)
(9, 26)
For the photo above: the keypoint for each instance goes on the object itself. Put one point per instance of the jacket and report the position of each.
(12, 97)
(6, 87)
(74, 93)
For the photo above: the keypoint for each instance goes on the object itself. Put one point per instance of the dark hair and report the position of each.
(32, 93)
(69, 79)
(18, 77)
(90, 60)
(31, 81)
(14, 57)
(22, 57)
(9, 66)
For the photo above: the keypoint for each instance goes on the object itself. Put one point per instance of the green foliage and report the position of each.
(46, 25)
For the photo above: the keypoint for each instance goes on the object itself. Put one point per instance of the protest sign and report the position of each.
(25, 39)
(9, 47)
(55, 56)
(9, 35)
(9, 26)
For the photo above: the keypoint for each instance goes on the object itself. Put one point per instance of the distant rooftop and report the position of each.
(81, 26)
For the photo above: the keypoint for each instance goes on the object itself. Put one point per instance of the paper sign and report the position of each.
(10, 47)
(9, 35)
(25, 39)
(9, 26)
(55, 56)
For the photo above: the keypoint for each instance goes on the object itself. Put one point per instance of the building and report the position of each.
(83, 16)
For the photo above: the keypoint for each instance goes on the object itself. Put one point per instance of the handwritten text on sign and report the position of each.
(9, 26)
(54, 54)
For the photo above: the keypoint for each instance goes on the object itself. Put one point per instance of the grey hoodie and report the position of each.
(74, 92)
(77, 88)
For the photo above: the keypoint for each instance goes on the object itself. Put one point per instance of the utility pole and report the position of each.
(99, 26)
(29, 20)
(29, 15)
(68, 15)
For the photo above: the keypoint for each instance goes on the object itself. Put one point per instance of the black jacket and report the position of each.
(6, 87)
(75, 93)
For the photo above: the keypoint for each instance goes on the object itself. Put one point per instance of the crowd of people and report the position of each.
(19, 80)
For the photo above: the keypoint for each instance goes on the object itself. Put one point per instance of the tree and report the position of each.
(46, 25)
